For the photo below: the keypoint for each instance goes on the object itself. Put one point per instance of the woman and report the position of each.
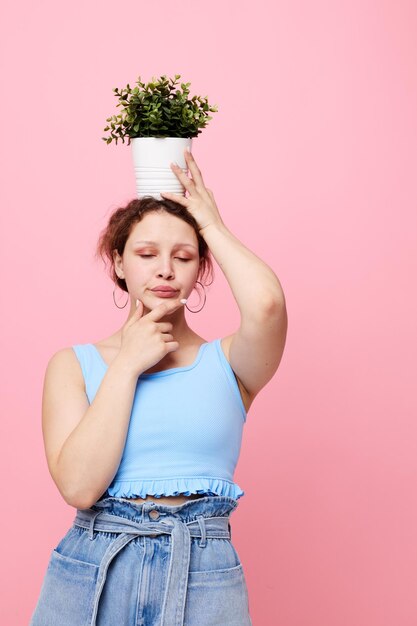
(142, 430)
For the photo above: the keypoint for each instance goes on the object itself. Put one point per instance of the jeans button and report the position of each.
(154, 514)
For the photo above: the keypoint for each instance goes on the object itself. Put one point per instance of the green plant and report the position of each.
(158, 109)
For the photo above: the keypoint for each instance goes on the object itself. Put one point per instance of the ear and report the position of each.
(118, 264)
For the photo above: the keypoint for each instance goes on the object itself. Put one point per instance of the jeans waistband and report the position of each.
(181, 533)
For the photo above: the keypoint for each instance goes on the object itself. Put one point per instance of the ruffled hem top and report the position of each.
(174, 487)
(185, 428)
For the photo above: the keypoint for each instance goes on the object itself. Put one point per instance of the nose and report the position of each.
(165, 269)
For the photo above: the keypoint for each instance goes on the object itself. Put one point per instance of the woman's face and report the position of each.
(162, 250)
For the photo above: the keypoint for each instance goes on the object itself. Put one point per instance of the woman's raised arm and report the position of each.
(256, 348)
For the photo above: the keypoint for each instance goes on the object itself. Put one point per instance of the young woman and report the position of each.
(143, 429)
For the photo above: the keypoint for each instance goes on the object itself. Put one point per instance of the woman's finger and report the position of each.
(164, 327)
(194, 169)
(175, 198)
(183, 178)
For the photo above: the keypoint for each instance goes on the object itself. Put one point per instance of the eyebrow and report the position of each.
(177, 245)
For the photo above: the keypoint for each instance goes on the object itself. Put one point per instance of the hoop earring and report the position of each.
(205, 298)
(114, 300)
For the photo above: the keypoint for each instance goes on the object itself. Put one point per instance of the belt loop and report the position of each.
(201, 523)
(230, 529)
(91, 527)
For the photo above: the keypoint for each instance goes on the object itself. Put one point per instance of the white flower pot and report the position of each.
(151, 160)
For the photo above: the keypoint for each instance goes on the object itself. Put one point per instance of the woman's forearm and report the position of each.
(92, 453)
(254, 285)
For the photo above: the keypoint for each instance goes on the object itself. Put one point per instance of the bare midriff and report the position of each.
(172, 500)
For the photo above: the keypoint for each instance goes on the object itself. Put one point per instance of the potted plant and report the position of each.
(159, 120)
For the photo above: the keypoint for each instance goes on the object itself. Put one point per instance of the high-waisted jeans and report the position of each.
(128, 564)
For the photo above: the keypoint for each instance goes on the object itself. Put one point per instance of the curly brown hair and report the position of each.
(120, 224)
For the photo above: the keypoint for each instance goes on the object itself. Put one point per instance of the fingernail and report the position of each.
(188, 149)
(137, 302)
(183, 300)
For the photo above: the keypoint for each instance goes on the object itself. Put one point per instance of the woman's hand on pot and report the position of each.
(200, 201)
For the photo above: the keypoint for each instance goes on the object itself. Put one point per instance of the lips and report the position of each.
(165, 294)
(165, 289)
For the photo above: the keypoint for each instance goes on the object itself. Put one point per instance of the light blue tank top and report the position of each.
(185, 428)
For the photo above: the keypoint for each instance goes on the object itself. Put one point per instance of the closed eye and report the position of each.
(146, 256)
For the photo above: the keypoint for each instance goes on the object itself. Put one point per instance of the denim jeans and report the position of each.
(128, 564)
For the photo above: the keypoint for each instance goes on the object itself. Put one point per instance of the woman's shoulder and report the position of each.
(63, 368)
(62, 356)
(66, 359)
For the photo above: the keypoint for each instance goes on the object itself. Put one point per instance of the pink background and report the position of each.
(312, 159)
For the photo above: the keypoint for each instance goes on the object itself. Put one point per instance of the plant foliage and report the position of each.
(158, 109)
